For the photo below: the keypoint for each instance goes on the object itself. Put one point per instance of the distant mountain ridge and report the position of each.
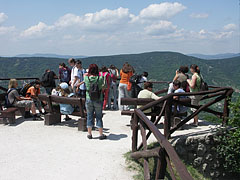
(215, 56)
(50, 56)
(160, 65)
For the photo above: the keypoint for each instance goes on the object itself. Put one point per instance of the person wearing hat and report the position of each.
(66, 109)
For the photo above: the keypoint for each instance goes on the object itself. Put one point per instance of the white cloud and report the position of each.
(36, 30)
(199, 16)
(160, 28)
(100, 20)
(3, 17)
(160, 11)
(5, 30)
(230, 27)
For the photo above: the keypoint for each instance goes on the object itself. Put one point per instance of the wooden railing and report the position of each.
(4, 82)
(165, 153)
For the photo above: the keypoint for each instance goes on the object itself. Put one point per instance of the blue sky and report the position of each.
(104, 27)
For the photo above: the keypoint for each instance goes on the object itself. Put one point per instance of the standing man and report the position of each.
(74, 74)
(80, 89)
(48, 81)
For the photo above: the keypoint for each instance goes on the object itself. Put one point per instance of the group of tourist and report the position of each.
(100, 88)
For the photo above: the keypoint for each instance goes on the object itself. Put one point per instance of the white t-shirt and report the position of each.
(142, 81)
(147, 94)
(74, 73)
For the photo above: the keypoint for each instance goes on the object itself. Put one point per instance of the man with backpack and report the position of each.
(48, 81)
(80, 89)
(13, 99)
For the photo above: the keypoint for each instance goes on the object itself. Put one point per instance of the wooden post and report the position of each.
(167, 118)
(135, 132)
(161, 165)
(226, 107)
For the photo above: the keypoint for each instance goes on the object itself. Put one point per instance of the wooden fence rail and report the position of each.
(165, 153)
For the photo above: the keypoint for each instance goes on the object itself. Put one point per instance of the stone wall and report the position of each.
(200, 151)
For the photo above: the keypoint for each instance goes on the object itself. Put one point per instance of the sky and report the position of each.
(108, 27)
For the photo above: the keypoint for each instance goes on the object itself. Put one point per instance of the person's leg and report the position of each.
(194, 101)
(106, 98)
(126, 95)
(114, 90)
(48, 90)
(121, 95)
(90, 111)
(98, 112)
(110, 93)
(38, 105)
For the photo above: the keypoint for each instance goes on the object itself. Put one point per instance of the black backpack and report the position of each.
(94, 91)
(46, 79)
(135, 79)
(23, 91)
(7, 102)
(203, 85)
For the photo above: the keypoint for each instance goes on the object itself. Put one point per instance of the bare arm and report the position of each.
(75, 80)
(192, 83)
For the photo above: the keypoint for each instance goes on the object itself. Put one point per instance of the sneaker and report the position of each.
(67, 118)
(102, 137)
(89, 136)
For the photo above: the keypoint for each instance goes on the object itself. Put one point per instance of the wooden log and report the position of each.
(170, 169)
(135, 101)
(226, 107)
(145, 160)
(146, 153)
(180, 167)
(155, 123)
(154, 103)
(163, 164)
(161, 91)
(167, 119)
(134, 132)
(52, 118)
(201, 108)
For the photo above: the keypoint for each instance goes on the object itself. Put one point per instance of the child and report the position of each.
(65, 109)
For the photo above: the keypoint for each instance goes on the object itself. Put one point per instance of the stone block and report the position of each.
(52, 118)
(82, 124)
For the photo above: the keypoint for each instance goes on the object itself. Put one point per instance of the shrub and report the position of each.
(229, 140)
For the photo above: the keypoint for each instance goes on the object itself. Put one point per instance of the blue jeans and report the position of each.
(49, 90)
(94, 106)
(112, 93)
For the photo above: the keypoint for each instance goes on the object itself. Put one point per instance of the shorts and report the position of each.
(23, 103)
(195, 101)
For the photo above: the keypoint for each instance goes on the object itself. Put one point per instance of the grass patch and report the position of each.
(137, 166)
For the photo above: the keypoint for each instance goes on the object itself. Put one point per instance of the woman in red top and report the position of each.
(106, 77)
(125, 74)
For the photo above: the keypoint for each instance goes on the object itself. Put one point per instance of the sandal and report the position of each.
(102, 137)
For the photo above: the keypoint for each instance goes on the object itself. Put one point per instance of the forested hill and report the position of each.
(160, 65)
